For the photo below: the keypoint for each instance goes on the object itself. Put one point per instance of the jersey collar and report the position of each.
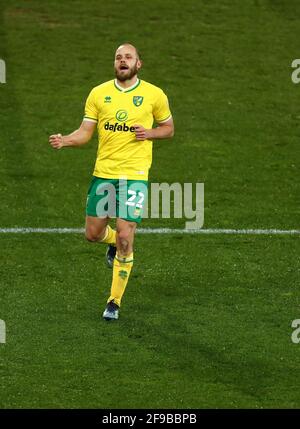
(130, 88)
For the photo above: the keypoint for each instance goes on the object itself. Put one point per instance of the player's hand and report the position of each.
(141, 133)
(56, 141)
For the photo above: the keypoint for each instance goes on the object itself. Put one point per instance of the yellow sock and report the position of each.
(110, 236)
(121, 272)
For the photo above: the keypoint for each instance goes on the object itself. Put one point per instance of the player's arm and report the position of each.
(77, 138)
(164, 130)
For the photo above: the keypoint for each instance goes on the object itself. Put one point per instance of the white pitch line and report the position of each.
(156, 231)
(218, 231)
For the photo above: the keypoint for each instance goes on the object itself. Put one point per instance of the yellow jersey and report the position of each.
(116, 110)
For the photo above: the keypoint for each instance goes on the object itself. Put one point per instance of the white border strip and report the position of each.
(90, 120)
(156, 231)
(165, 120)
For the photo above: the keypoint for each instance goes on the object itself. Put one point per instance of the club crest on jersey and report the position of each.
(137, 100)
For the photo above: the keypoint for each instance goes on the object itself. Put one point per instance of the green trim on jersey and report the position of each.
(165, 120)
(88, 117)
(130, 89)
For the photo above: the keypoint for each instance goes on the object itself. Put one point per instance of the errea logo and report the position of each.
(107, 99)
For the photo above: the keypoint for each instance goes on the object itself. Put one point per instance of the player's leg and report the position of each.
(122, 266)
(95, 228)
(125, 237)
(98, 229)
(130, 196)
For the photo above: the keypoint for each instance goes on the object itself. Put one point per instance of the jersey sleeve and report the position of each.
(91, 110)
(161, 109)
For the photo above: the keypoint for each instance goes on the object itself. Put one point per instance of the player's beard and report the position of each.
(128, 74)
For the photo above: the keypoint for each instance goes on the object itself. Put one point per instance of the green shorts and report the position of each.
(120, 198)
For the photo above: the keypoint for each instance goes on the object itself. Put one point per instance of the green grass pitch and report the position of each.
(206, 320)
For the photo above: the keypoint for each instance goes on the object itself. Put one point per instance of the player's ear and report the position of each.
(139, 64)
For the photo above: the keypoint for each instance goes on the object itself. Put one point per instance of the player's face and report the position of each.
(126, 63)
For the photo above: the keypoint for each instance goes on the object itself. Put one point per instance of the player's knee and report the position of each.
(92, 235)
(125, 235)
